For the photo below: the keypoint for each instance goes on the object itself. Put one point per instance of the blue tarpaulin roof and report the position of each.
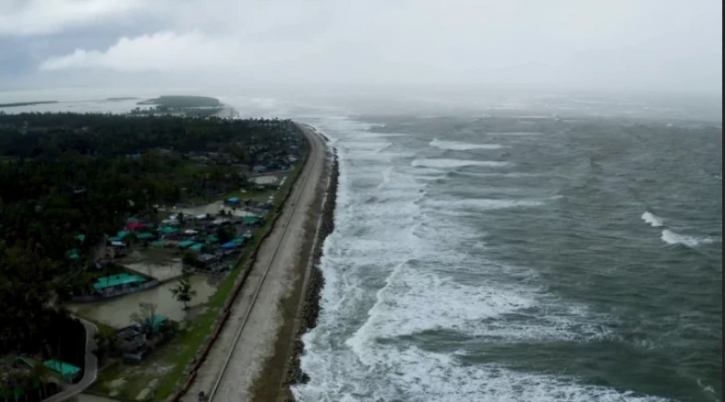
(233, 199)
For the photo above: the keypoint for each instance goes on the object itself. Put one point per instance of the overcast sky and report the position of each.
(661, 45)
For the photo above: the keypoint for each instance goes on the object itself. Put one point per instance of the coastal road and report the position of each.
(90, 367)
(247, 340)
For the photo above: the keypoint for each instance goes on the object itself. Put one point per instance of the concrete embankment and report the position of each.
(311, 297)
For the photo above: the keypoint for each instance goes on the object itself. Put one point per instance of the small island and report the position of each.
(180, 105)
(119, 99)
(17, 104)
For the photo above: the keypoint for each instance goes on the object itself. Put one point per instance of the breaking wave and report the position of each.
(673, 238)
(454, 163)
(461, 146)
(652, 219)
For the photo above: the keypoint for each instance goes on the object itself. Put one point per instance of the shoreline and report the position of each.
(310, 303)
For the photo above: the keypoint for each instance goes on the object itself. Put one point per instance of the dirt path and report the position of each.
(257, 308)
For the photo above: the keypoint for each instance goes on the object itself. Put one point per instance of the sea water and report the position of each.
(520, 259)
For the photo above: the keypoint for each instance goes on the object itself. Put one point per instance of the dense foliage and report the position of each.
(64, 175)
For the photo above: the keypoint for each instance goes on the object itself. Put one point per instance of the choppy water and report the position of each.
(510, 259)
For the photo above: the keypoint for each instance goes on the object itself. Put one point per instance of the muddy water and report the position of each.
(161, 271)
(116, 312)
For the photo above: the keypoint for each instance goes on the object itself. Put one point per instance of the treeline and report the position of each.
(50, 135)
(68, 179)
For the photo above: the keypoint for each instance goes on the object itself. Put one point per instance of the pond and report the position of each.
(116, 312)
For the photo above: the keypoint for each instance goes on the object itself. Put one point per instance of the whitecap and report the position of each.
(461, 146)
(674, 238)
(652, 219)
(454, 163)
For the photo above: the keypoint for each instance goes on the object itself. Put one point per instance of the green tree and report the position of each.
(224, 233)
(183, 290)
(107, 341)
(145, 316)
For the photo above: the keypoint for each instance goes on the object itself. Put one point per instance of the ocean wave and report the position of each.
(461, 146)
(454, 163)
(652, 219)
(514, 134)
(412, 374)
(674, 238)
(481, 204)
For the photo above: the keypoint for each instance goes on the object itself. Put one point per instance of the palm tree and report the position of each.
(183, 291)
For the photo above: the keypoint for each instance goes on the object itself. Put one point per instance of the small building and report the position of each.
(137, 341)
(168, 230)
(207, 260)
(197, 247)
(185, 244)
(233, 201)
(251, 220)
(109, 283)
(73, 254)
(135, 226)
(146, 236)
(67, 371)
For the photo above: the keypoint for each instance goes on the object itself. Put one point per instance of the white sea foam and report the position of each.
(462, 146)
(674, 238)
(652, 219)
(481, 204)
(454, 163)
(514, 134)
(389, 270)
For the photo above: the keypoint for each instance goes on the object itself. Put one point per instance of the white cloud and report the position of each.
(36, 17)
(618, 43)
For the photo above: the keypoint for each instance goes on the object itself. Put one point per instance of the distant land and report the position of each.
(26, 103)
(119, 99)
(182, 101)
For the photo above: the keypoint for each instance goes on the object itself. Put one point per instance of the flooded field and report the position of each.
(116, 312)
(212, 208)
(161, 264)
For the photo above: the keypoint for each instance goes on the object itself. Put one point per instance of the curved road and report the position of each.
(90, 367)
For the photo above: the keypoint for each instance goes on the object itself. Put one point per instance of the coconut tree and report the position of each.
(183, 290)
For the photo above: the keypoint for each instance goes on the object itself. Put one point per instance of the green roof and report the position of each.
(251, 219)
(65, 369)
(115, 238)
(157, 320)
(212, 239)
(81, 238)
(145, 236)
(123, 233)
(73, 254)
(167, 230)
(117, 280)
(185, 244)
(131, 220)
(197, 247)
(158, 244)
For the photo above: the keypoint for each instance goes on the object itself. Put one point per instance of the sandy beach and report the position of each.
(237, 358)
